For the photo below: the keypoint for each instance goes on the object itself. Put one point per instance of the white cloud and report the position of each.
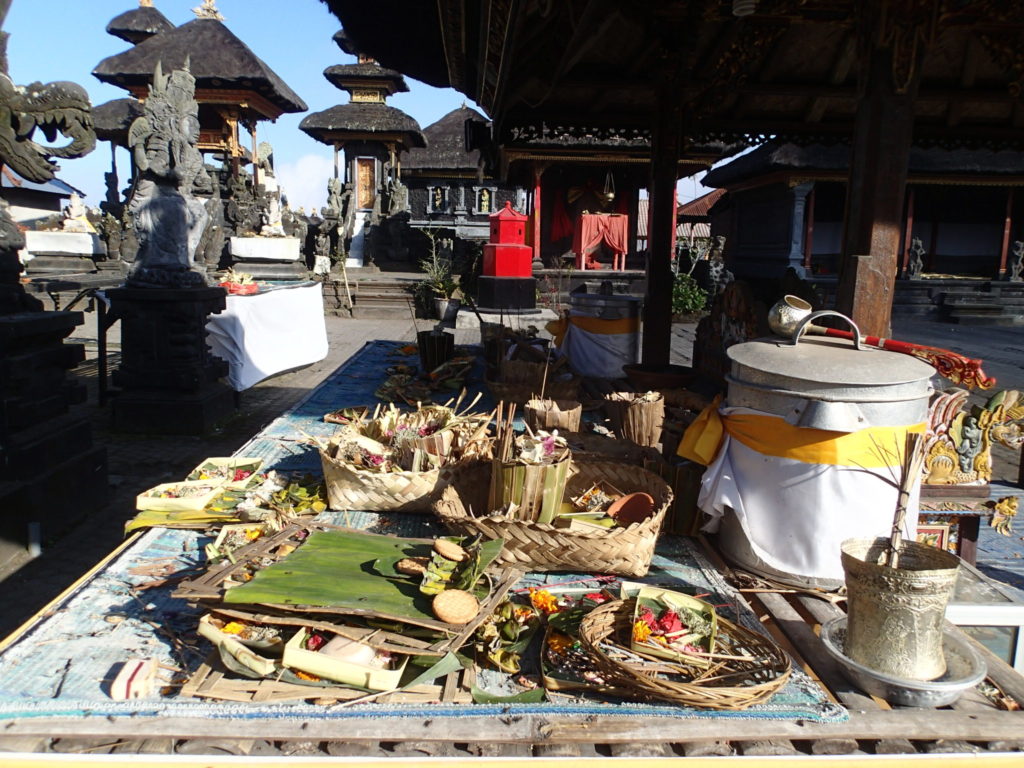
(304, 182)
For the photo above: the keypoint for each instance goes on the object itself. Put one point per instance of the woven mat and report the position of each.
(63, 665)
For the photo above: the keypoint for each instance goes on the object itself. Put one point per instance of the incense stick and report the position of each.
(910, 469)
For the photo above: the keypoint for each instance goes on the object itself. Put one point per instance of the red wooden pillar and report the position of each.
(878, 170)
(538, 171)
(665, 142)
(1007, 231)
(908, 237)
(809, 231)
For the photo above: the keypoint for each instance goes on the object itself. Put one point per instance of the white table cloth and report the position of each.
(276, 330)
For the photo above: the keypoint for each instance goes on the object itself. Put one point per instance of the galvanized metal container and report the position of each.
(821, 383)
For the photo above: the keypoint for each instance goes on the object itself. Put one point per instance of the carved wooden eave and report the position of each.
(791, 69)
(253, 105)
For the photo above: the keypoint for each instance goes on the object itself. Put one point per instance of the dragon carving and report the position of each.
(54, 108)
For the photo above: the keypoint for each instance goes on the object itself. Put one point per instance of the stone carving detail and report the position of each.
(958, 442)
(916, 264)
(1018, 262)
(573, 135)
(169, 220)
(55, 107)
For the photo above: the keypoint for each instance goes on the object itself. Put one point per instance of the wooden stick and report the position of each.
(910, 468)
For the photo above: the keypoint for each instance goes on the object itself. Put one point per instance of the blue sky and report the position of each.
(65, 39)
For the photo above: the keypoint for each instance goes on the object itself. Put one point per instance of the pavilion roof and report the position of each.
(362, 118)
(139, 24)
(348, 76)
(775, 157)
(446, 144)
(789, 70)
(217, 59)
(112, 119)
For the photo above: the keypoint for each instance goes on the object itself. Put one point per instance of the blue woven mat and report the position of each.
(62, 665)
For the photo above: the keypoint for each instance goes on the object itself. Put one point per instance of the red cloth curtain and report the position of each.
(561, 224)
(592, 229)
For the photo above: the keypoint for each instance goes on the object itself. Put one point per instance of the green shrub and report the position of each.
(687, 296)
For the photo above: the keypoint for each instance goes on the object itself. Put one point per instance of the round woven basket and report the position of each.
(350, 488)
(750, 667)
(543, 547)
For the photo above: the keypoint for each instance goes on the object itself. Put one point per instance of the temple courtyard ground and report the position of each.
(139, 462)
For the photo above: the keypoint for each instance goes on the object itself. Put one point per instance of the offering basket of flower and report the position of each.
(625, 547)
(395, 460)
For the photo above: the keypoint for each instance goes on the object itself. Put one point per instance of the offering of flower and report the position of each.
(233, 471)
(391, 440)
(505, 635)
(673, 625)
(171, 497)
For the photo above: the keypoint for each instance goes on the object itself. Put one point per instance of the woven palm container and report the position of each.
(520, 381)
(746, 668)
(351, 488)
(532, 546)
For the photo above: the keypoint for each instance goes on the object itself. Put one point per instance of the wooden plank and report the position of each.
(920, 725)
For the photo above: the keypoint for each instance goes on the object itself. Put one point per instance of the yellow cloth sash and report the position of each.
(558, 328)
(870, 448)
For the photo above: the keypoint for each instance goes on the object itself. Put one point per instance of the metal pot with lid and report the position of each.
(826, 383)
(781, 514)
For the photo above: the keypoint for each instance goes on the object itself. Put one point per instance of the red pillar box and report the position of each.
(507, 282)
(507, 254)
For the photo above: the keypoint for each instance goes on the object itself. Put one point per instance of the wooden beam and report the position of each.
(809, 230)
(878, 171)
(665, 150)
(908, 237)
(1007, 231)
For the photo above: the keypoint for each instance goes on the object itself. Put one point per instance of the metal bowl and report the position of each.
(964, 669)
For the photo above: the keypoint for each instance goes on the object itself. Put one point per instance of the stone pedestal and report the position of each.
(49, 253)
(51, 474)
(168, 376)
(269, 258)
(507, 294)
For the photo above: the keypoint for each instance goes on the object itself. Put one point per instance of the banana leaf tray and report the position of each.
(281, 579)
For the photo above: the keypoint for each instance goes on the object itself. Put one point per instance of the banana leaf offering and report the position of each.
(318, 573)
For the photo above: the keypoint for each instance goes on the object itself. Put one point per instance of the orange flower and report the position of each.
(641, 632)
(233, 628)
(543, 600)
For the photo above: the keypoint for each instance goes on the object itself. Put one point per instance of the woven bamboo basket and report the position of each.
(522, 380)
(548, 414)
(351, 488)
(747, 667)
(635, 420)
(542, 547)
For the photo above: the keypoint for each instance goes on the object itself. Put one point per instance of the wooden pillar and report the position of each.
(809, 231)
(878, 171)
(1007, 232)
(335, 159)
(538, 171)
(255, 160)
(665, 141)
(908, 237)
(798, 227)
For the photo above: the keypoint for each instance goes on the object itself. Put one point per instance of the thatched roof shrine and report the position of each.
(218, 60)
(833, 161)
(446, 144)
(369, 120)
(350, 76)
(112, 119)
(139, 24)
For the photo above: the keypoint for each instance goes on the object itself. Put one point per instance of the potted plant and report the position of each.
(439, 280)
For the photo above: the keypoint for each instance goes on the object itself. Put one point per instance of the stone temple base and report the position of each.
(168, 376)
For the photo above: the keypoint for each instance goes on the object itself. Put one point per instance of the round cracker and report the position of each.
(455, 606)
(412, 566)
(449, 550)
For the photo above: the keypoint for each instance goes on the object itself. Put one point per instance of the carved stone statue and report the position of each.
(61, 106)
(916, 264)
(211, 244)
(333, 207)
(240, 209)
(76, 216)
(110, 233)
(169, 220)
(322, 251)
(271, 217)
(398, 198)
(1018, 262)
